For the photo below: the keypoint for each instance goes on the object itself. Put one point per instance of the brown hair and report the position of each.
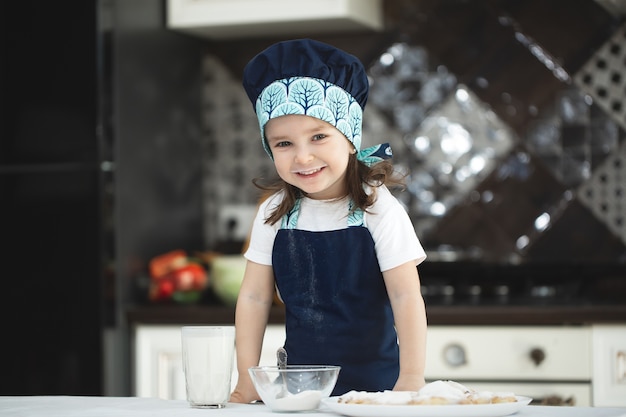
(358, 174)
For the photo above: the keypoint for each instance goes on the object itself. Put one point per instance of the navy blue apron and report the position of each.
(337, 308)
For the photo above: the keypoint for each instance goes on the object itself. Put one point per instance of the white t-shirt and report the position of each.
(387, 220)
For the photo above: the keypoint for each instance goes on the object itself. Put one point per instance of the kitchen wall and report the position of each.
(153, 87)
(507, 116)
(503, 129)
(496, 113)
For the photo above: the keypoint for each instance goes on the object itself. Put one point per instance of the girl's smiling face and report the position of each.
(309, 154)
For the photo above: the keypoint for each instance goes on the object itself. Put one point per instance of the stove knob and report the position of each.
(454, 355)
(537, 355)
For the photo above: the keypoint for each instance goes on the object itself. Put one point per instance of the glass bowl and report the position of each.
(294, 387)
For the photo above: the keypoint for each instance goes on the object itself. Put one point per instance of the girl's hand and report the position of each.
(409, 383)
(244, 393)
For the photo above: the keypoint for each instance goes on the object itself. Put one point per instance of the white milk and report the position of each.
(208, 354)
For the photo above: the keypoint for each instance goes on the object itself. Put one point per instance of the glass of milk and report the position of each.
(208, 355)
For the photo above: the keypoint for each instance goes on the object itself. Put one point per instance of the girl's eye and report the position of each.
(319, 136)
(282, 144)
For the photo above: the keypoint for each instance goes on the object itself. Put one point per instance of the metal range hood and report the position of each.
(230, 19)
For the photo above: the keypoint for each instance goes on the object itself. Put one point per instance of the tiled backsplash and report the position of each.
(604, 79)
(477, 187)
(232, 152)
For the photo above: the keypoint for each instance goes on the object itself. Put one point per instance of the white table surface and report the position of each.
(75, 406)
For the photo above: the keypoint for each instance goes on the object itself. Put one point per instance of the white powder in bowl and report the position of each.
(302, 401)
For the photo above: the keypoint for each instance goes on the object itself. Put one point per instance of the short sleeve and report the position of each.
(393, 232)
(263, 234)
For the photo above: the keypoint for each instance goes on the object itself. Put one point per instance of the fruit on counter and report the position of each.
(189, 277)
(167, 262)
(161, 290)
(176, 276)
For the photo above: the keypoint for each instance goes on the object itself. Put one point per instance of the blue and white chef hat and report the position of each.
(308, 77)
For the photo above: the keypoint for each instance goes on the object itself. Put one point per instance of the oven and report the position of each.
(551, 364)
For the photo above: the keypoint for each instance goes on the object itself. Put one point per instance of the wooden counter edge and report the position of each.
(437, 315)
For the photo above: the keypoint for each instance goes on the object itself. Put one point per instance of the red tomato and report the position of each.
(161, 289)
(190, 277)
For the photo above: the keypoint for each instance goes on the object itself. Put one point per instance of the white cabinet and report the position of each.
(157, 363)
(225, 19)
(546, 363)
(609, 365)
(586, 363)
(555, 353)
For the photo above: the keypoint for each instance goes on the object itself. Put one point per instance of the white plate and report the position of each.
(459, 410)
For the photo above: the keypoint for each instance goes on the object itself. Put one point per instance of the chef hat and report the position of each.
(308, 77)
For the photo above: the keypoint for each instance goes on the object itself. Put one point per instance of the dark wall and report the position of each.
(157, 109)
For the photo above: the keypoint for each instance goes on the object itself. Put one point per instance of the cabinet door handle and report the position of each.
(537, 355)
(620, 361)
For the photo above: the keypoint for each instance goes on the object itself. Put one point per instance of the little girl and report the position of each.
(330, 237)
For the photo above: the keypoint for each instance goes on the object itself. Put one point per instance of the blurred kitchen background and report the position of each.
(125, 135)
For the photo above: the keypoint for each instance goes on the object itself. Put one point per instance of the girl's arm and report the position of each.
(403, 287)
(253, 306)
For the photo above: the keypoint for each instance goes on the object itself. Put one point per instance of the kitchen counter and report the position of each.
(437, 314)
(69, 406)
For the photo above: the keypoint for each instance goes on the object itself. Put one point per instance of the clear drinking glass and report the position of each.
(208, 355)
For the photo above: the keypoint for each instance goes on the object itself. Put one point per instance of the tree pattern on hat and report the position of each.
(311, 97)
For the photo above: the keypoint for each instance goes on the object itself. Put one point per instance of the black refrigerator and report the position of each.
(99, 125)
(50, 199)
